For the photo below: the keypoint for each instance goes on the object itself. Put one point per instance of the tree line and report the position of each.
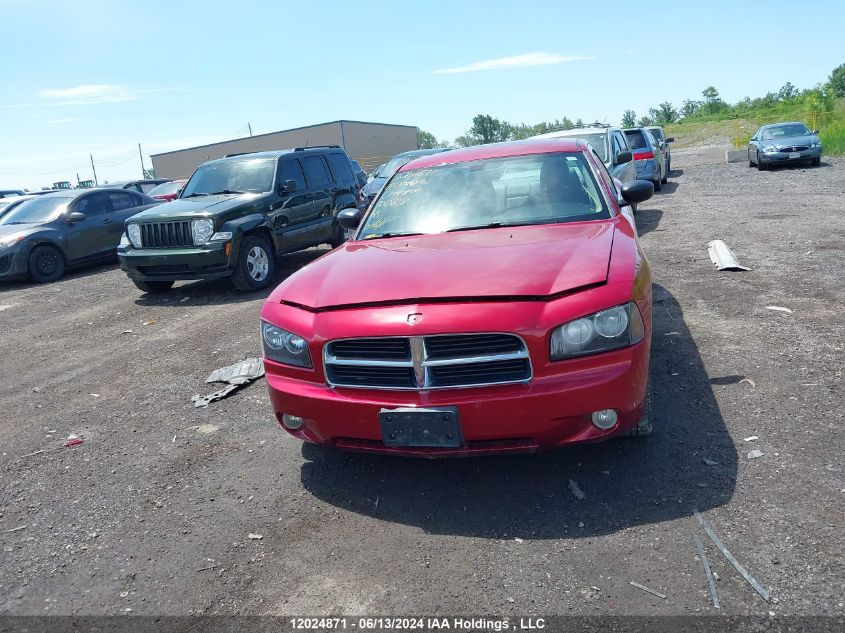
(488, 129)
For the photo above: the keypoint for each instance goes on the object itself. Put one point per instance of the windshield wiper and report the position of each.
(195, 194)
(380, 235)
(492, 225)
(217, 193)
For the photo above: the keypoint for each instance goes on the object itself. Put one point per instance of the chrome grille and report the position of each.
(796, 148)
(166, 234)
(427, 362)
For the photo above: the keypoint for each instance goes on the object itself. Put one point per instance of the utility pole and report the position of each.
(141, 154)
(94, 169)
(249, 125)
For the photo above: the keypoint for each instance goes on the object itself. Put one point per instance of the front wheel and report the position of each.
(46, 264)
(256, 264)
(645, 425)
(760, 165)
(750, 162)
(338, 235)
(153, 287)
(816, 162)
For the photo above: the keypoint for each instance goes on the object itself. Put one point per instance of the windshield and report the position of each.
(534, 189)
(598, 143)
(784, 131)
(167, 188)
(393, 165)
(36, 211)
(657, 133)
(232, 176)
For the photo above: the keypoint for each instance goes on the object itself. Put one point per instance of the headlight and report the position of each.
(133, 231)
(603, 331)
(770, 149)
(815, 143)
(284, 347)
(8, 240)
(201, 231)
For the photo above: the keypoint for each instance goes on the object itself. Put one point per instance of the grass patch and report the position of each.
(718, 129)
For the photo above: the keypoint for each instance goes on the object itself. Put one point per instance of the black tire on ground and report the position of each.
(666, 177)
(760, 165)
(153, 287)
(657, 185)
(816, 162)
(645, 425)
(256, 264)
(45, 264)
(338, 235)
(750, 162)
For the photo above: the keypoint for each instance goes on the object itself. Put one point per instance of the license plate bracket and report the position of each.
(435, 427)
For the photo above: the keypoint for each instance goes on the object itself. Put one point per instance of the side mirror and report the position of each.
(351, 218)
(76, 216)
(671, 139)
(637, 191)
(289, 186)
(815, 132)
(624, 157)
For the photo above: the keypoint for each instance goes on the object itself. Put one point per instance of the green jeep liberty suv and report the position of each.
(236, 214)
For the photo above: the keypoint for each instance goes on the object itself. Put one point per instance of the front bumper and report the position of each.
(13, 264)
(546, 413)
(787, 157)
(172, 264)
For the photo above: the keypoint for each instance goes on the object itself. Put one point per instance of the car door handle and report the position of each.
(107, 221)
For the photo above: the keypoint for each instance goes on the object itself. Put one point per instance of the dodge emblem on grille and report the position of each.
(414, 318)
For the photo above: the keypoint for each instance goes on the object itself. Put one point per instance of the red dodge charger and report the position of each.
(493, 299)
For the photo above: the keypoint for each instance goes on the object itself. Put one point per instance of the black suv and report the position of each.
(236, 214)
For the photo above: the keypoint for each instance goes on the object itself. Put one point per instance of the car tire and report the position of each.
(750, 162)
(816, 162)
(657, 185)
(645, 425)
(338, 235)
(665, 177)
(153, 287)
(45, 264)
(760, 165)
(256, 264)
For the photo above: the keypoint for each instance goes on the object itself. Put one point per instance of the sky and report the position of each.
(82, 78)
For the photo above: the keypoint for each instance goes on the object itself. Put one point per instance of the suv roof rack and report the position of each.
(302, 149)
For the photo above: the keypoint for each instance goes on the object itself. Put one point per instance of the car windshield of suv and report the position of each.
(512, 191)
(232, 176)
(784, 131)
(657, 133)
(36, 211)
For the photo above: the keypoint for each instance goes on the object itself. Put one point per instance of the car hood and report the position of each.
(196, 207)
(789, 141)
(374, 186)
(528, 262)
(11, 229)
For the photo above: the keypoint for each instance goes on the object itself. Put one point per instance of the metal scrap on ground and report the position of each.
(662, 596)
(236, 376)
(722, 256)
(711, 582)
(733, 561)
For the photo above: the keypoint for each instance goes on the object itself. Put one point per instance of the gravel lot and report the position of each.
(152, 512)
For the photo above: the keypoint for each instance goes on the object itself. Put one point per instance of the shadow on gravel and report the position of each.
(70, 275)
(219, 291)
(627, 482)
(647, 220)
(674, 173)
(669, 187)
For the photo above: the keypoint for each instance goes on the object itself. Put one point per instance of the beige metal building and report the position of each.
(369, 143)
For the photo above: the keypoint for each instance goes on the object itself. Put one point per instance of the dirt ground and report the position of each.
(151, 513)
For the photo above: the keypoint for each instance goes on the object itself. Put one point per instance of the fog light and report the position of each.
(293, 422)
(604, 419)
